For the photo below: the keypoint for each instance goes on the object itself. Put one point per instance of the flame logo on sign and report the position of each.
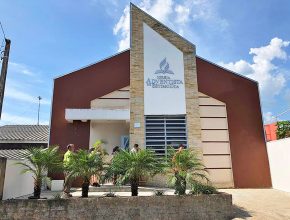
(164, 67)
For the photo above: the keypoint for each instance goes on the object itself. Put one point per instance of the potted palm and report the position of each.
(129, 167)
(38, 161)
(84, 164)
(184, 167)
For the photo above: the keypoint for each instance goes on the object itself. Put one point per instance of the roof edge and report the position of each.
(182, 38)
(237, 74)
(91, 64)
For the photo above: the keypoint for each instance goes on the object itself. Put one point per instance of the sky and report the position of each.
(52, 38)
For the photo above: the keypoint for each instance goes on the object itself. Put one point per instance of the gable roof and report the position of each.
(24, 133)
(183, 44)
(13, 154)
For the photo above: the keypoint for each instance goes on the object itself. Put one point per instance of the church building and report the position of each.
(159, 93)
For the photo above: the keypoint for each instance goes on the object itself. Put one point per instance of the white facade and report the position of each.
(15, 183)
(96, 114)
(163, 76)
(279, 160)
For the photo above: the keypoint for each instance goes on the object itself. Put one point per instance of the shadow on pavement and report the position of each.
(240, 212)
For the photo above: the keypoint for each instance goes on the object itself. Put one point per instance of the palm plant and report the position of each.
(129, 167)
(184, 167)
(38, 162)
(84, 165)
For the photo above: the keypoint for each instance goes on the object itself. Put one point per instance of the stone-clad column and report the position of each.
(137, 135)
(192, 102)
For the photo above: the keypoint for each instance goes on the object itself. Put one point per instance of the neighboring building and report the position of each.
(14, 140)
(270, 131)
(23, 136)
(279, 160)
(12, 183)
(160, 93)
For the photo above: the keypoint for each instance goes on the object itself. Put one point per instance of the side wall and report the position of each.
(76, 90)
(16, 184)
(248, 148)
(279, 159)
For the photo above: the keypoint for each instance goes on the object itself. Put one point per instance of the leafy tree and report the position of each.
(283, 129)
(38, 162)
(184, 167)
(84, 164)
(129, 167)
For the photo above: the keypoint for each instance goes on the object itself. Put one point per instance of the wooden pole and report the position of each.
(4, 72)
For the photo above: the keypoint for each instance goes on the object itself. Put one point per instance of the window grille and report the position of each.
(165, 131)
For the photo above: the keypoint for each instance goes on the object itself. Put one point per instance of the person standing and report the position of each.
(135, 149)
(94, 181)
(67, 179)
(176, 172)
(115, 151)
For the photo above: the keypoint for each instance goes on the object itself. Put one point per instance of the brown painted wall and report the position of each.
(76, 90)
(248, 148)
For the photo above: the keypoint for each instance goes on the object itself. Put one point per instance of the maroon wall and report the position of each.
(76, 90)
(248, 148)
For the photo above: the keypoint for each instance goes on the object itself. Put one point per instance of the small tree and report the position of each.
(38, 162)
(129, 167)
(283, 129)
(84, 165)
(184, 167)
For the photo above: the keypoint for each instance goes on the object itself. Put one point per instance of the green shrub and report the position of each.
(283, 129)
(200, 188)
(84, 165)
(184, 167)
(130, 167)
(38, 162)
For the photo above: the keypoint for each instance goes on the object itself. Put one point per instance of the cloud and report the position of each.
(178, 16)
(182, 14)
(15, 93)
(207, 11)
(20, 68)
(123, 28)
(262, 69)
(269, 118)
(7, 118)
(160, 9)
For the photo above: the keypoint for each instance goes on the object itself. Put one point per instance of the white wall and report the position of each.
(163, 76)
(16, 184)
(279, 159)
(109, 132)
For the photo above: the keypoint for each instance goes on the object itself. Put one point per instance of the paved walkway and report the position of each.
(266, 204)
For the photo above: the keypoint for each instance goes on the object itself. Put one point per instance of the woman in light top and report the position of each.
(135, 149)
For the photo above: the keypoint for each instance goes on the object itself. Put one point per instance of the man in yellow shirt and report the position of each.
(67, 179)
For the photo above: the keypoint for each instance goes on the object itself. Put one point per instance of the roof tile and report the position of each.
(24, 133)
